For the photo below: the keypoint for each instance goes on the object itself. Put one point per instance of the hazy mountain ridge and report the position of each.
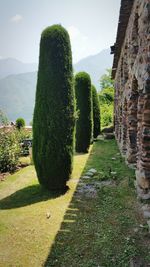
(10, 66)
(17, 92)
(17, 95)
(95, 65)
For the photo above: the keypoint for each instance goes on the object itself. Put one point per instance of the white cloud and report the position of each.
(17, 18)
(73, 32)
(79, 43)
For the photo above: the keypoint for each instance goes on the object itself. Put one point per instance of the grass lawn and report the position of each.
(75, 229)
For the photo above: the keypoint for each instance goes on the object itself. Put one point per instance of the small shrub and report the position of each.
(20, 123)
(9, 151)
(22, 134)
(106, 114)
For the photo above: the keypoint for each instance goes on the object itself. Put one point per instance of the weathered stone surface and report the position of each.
(142, 195)
(142, 180)
(88, 190)
(137, 262)
(132, 93)
(146, 211)
(105, 183)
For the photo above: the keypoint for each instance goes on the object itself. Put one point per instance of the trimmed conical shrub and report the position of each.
(96, 113)
(84, 110)
(53, 121)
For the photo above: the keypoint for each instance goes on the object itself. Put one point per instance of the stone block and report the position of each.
(93, 170)
(146, 211)
(142, 180)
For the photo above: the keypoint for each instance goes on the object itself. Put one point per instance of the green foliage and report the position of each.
(9, 150)
(54, 118)
(84, 108)
(106, 81)
(106, 98)
(96, 113)
(22, 134)
(107, 115)
(20, 123)
(3, 119)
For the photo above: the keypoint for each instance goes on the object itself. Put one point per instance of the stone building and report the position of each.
(131, 71)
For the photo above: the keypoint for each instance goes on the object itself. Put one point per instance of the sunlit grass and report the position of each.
(25, 160)
(31, 217)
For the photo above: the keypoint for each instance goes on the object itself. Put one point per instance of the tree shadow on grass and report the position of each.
(72, 242)
(28, 196)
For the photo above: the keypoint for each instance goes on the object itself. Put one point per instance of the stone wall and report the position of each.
(132, 95)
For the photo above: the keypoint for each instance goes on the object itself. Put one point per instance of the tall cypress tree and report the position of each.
(96, 112)
(53, 121)
(84, 108)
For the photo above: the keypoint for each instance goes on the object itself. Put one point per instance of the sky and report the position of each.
(92, 26)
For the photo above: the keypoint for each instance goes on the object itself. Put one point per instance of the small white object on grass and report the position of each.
(48, 215)
(86, 177)
(93, 170)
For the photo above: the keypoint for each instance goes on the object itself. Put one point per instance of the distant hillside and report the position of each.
(17, 95)
(11, 66)
(95, 65)
(17, 92)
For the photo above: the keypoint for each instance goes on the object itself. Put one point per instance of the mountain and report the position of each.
(17, 92)
(11, 66)
(95, 65)
(17, 95)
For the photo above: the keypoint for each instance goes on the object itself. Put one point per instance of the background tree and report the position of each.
(9, 150)
(3, 119)
(53, 121)
(20, 123)
(106, 80)
(84, 107)
(106, 98)
(96, 112)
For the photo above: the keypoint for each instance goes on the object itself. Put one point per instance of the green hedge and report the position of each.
(20, 123)
(53, 122)
(9, 150)
(96, 112)
(84, 109)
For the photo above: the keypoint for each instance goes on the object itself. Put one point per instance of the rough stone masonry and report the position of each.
(131, 71)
